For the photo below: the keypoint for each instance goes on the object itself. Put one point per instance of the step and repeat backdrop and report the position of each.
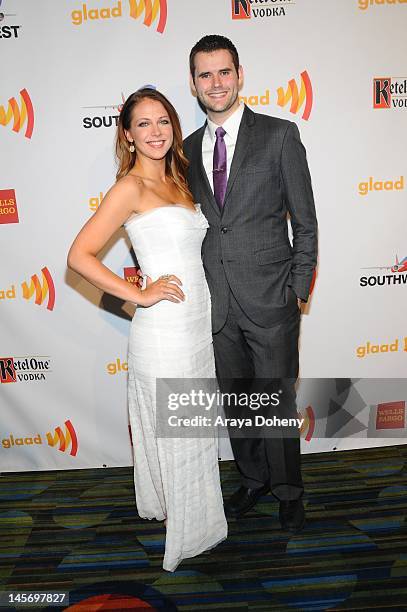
(337, 68)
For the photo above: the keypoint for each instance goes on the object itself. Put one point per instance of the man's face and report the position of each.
(216, 82)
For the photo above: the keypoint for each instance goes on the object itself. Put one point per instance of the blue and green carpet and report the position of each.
(78, 531)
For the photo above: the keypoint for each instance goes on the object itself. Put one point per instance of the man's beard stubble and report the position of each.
(223, 109)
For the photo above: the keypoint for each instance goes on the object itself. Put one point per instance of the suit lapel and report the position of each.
(241, 149)
(200, 170)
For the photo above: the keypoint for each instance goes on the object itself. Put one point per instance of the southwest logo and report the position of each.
(8, 31)
(41, 290)
(20, 114)
(150, 8)
(64, 439)
(397, 278)
(400, 266)
(296, 97)
(8, 206)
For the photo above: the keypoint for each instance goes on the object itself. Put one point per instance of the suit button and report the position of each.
(223, 230)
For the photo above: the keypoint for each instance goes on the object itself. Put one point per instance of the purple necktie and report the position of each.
(220, 178)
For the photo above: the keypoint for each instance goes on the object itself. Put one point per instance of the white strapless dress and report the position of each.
(175, 478)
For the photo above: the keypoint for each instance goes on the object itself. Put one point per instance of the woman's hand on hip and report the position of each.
(166, 287)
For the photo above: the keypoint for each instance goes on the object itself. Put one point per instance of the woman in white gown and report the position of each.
(176, 479)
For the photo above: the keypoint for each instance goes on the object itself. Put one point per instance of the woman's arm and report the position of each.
(115, 208)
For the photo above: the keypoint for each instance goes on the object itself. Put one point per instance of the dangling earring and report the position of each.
(132, 148)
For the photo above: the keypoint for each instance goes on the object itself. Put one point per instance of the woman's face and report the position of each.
(150, 129)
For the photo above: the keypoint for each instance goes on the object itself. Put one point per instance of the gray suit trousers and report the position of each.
(244, 350)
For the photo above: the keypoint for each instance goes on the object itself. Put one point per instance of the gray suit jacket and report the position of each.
(246, 249)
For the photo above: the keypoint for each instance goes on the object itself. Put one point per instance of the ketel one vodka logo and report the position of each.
(390, 92)
(31, 368)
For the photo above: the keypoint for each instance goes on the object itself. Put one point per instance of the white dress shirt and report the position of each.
(231, 127)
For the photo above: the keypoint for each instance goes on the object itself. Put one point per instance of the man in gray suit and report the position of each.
(249, 172)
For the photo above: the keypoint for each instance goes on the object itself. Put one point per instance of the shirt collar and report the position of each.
(231, 125)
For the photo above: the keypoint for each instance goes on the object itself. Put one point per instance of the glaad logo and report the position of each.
(8, 206)
(364, 4)
(372, 185)
(395, 346)
(8, 31)
(390, 92)
(308, 426)
(20, 114)
(150, 8)
(24, 369)
(95, 202)
(41, 291)
(244, 9)
(64, 439)
(117, 366)
(296, 97)
(396, 278)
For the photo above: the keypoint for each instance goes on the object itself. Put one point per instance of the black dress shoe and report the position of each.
(292, 515)
(244, 499)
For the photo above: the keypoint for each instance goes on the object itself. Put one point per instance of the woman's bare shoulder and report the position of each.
(128, 185)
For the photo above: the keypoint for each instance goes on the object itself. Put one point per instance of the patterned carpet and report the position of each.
(78, 531)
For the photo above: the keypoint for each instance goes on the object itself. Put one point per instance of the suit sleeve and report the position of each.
(299, 199)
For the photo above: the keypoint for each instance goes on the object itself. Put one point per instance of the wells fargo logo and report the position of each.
(130, 275)
(243, 9)
(391, 415)
(41, 290)
(298, 98)
(20, 113)
(364, 4)
(8, 206)
(388, 347)
(65, 440)
(372, 185)
(152, 10)
(390, 92)
(308, 426)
